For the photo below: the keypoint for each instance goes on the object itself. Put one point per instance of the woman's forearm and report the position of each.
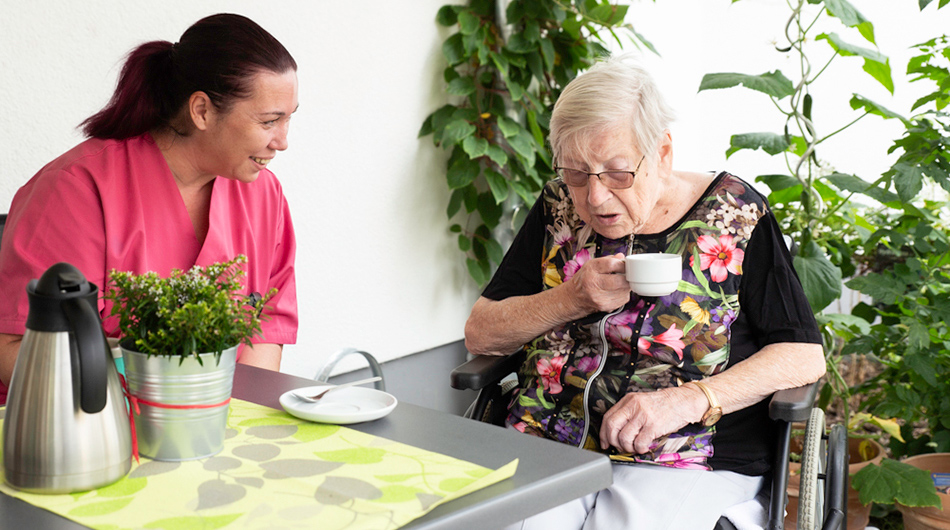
(500, 327)
(263, 355)
(775, 367)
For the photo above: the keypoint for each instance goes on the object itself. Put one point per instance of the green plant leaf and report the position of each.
(875, 63)
(547, 51)
(436, 122)
(821, 280)
(774, 83)
(851, 17)
(501, 63)
(857, 185)
(448, 15)
(456, 131)
(475, 147)
(489, 210)
(462, 173)
(468, 22)
(778, 182)
(885, 289)
(455, 204)
(922, 365)
(453, 49)
(895, 482)
(494, 251)
(523, 145)
(771, 143)
(470, 196)
(851, 321)
(860, 102)
(498, 185)
(523, 192)
(497, 155)
(461, 86)
(519, 44)
(477, 270)
(908, 179)
(508, 126)
(465, 244)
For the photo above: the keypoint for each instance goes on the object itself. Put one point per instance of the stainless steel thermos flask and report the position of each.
(66, 426)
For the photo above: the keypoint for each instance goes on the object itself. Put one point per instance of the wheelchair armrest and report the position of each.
(793, 404)
(484, 370)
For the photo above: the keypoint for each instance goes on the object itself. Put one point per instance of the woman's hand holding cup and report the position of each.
(600, 284)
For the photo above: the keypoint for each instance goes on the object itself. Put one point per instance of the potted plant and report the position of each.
(179, 344)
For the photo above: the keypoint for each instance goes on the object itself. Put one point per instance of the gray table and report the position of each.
(548, 474)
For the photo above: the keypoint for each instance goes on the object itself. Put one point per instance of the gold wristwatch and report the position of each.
(714, 412)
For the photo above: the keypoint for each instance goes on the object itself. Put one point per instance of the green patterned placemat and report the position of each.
(278, 472)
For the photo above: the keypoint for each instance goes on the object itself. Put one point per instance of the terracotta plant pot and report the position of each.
(858, 514)
(929, 517)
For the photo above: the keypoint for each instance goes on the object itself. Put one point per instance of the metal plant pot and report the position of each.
(176, 434)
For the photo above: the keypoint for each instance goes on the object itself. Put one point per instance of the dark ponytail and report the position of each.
(218, 55)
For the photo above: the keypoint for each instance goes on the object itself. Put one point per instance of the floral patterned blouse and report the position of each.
(738, 293)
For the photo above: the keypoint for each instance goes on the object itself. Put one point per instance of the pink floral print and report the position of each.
(720, 256)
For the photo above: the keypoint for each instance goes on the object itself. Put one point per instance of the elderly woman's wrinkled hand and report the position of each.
(601, 284)
(639, 418)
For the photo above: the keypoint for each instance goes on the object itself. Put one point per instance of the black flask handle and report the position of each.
(92, 345)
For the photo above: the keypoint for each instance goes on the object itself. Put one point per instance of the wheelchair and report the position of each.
(824, 475)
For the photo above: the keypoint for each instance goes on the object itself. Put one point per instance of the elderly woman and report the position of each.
(672, 388)
(173, 175)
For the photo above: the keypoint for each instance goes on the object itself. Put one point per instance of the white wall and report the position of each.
(377, 268)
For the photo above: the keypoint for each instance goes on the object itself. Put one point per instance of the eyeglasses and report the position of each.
(615, 180)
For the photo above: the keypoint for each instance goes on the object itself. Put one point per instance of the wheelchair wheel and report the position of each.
(811, 494)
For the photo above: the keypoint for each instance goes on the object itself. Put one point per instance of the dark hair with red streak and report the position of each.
(218, 55)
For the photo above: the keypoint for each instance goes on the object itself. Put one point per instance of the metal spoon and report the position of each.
(316, 397)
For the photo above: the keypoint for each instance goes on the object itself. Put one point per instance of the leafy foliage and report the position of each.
(880, 235)
(895, 481)
(814, 205)
(188, 313)
(505, 85)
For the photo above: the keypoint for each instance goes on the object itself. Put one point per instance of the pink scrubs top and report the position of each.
(109, 204)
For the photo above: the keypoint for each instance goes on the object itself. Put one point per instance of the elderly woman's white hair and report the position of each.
(615, 92)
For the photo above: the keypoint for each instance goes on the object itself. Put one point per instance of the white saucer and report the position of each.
(347, 405)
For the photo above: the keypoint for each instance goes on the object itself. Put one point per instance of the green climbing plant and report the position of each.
(877, 232)
(505, 70)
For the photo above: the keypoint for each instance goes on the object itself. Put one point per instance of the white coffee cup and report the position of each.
(654, 274)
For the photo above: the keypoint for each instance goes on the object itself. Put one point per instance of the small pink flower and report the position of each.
(519, 426)
(672, 338)
(720, 257)
(643, 345)
(550, 371)
(571, 267)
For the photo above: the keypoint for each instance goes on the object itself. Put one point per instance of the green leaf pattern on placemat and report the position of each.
(278, 471)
